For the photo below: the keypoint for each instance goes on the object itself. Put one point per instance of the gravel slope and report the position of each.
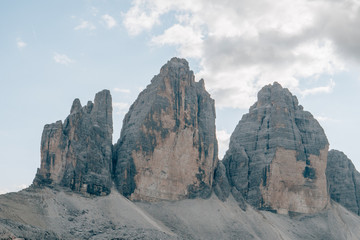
(57, 214)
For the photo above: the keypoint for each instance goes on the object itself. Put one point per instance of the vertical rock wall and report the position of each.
(78, 153)
(277, 155)
(167, 149)
(343, 181)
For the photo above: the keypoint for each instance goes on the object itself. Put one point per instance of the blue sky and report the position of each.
(54, 51)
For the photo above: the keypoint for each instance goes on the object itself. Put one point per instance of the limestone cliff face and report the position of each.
(168, 148)
(343, 181)
(78, 153)
(277, 155)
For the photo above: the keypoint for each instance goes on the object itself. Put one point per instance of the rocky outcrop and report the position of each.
(167, 149)
(277, 155)
(78, 153)
(221, 184)
(343, 181)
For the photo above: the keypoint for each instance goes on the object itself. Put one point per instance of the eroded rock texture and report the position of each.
(343, 181)
(277, 155)
(221, 184)
(167, 148)
(78, 153)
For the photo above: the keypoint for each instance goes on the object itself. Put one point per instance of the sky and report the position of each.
(52, 52)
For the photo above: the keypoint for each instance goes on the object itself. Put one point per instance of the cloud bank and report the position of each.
(242, 45)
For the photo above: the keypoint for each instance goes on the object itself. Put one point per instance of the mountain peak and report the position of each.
(167, 149)
(275, 94)
(277, 155)
(77, 153)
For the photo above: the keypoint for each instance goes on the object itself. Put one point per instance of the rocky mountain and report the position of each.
(343, 181)
(77, 153)
(167, 149)
(162, 179)
(277, 155)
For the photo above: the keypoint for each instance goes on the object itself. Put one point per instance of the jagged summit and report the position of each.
(275, 94)
(77, 153)
(175, 63)
(176, 69)
(277, 155)
(167, 149)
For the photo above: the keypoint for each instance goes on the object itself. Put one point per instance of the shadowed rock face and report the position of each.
(77, 153)
(343, 181)
(167, 148)
(277, 155)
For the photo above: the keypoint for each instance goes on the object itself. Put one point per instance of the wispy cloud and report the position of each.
(223, 138)
(20, 43)
(85, 25)
(323, 89)
(120, 107)
(121, 90)
(109, 21)
(13, 188)
(325, 119)
(62, 59)
(94, 11)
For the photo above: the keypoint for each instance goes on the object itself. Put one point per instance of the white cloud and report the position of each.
(109, 21)
(223, 138)
(62, 59)
(85, 25)
(243, 44)
(145, 14)
(325, 119)
(20, 43)
(121, 107)
(324, 89)
(186, 38)
(121, 90)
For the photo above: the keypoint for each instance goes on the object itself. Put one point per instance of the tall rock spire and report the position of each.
(77, 153)
(277, 155)
(167, 149)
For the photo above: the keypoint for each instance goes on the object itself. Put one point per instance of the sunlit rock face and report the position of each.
(78, 153)
(168, 149)
(343, 181)
(277, 155)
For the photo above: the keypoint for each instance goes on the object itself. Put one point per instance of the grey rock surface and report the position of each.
(167, 148)
(221, 184)
(277, 155)
(343, 181)
(78, 153)
(44, 213)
